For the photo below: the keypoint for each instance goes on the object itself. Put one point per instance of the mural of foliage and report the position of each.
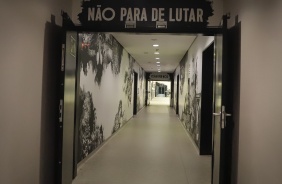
(99, 50)
(191, 114)
(182, 72)
(119, 118)
(90, 134)
(128, 79)
(138, 103)
(141, 77)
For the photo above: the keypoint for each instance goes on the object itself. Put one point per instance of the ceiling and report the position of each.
(171, 49)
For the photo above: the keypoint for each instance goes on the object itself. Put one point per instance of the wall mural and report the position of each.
(128, 79)
(119, 118)
(101, 50)
(90, 134)
(105, 84)
(182, 72)
(191, 113)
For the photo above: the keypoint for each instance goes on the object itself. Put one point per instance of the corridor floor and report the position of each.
(152, 148)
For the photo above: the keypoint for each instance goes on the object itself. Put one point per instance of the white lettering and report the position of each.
(108, 18)
(136, 14)
(161, 14)
(122, 13)
(154, 14)
(98, 15)
(192, 17)
(129, 15)
(178, 16)
(91, 14)
(200, 14)
(170, 16)
(144, 15)
(186, 10)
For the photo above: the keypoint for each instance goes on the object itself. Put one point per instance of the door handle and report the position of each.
(223, 116)
(217, 114)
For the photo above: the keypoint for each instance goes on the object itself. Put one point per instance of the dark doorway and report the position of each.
(135, 93)
(231, 133)
(207, 101)
(177, 95)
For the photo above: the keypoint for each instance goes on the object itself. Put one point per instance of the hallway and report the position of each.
(152, 148)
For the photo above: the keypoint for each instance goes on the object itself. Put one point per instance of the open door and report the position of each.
(224, 85)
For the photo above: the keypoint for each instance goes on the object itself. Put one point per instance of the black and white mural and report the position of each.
(99, 51)
(104, 99)
(182, 73)
(90, 134)
(128, 79)
(119, 120)
(190, 72)
(192, 107)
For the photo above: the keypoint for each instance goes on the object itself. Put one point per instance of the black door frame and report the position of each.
(232, 82)
(206, 31)
(135, 93)
(207, 101)
(177, 95)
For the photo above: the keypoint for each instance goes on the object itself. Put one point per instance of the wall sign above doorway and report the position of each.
(159, 77)
(138, 15)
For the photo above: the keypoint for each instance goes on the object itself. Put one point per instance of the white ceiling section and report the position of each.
(172, 48)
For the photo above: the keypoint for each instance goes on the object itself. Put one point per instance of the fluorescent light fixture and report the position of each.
(158, 65)
(157, 58)
(158, 62)
(159, 71)
(155, 45)
(156, 53)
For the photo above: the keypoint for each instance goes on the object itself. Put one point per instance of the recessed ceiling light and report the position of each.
(155, 45)
(158, 58)
(159, 71)
(158, 65)
(158, 62)
(156, 53)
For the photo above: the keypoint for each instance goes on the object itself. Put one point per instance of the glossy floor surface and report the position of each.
(152, 148)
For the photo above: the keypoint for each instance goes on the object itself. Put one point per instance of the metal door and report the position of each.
(66, 131)
(222, 98)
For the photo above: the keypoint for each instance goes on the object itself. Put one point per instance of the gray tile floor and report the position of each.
(152, 148)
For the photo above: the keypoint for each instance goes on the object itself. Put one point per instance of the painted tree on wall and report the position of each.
(128, 79)
(119, 118)
(101, 56)
(90, 134)
(182, 72)
(99, 50)
(192, 106)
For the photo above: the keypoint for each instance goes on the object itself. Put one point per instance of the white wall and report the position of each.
(260, 121)
(21, 68)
